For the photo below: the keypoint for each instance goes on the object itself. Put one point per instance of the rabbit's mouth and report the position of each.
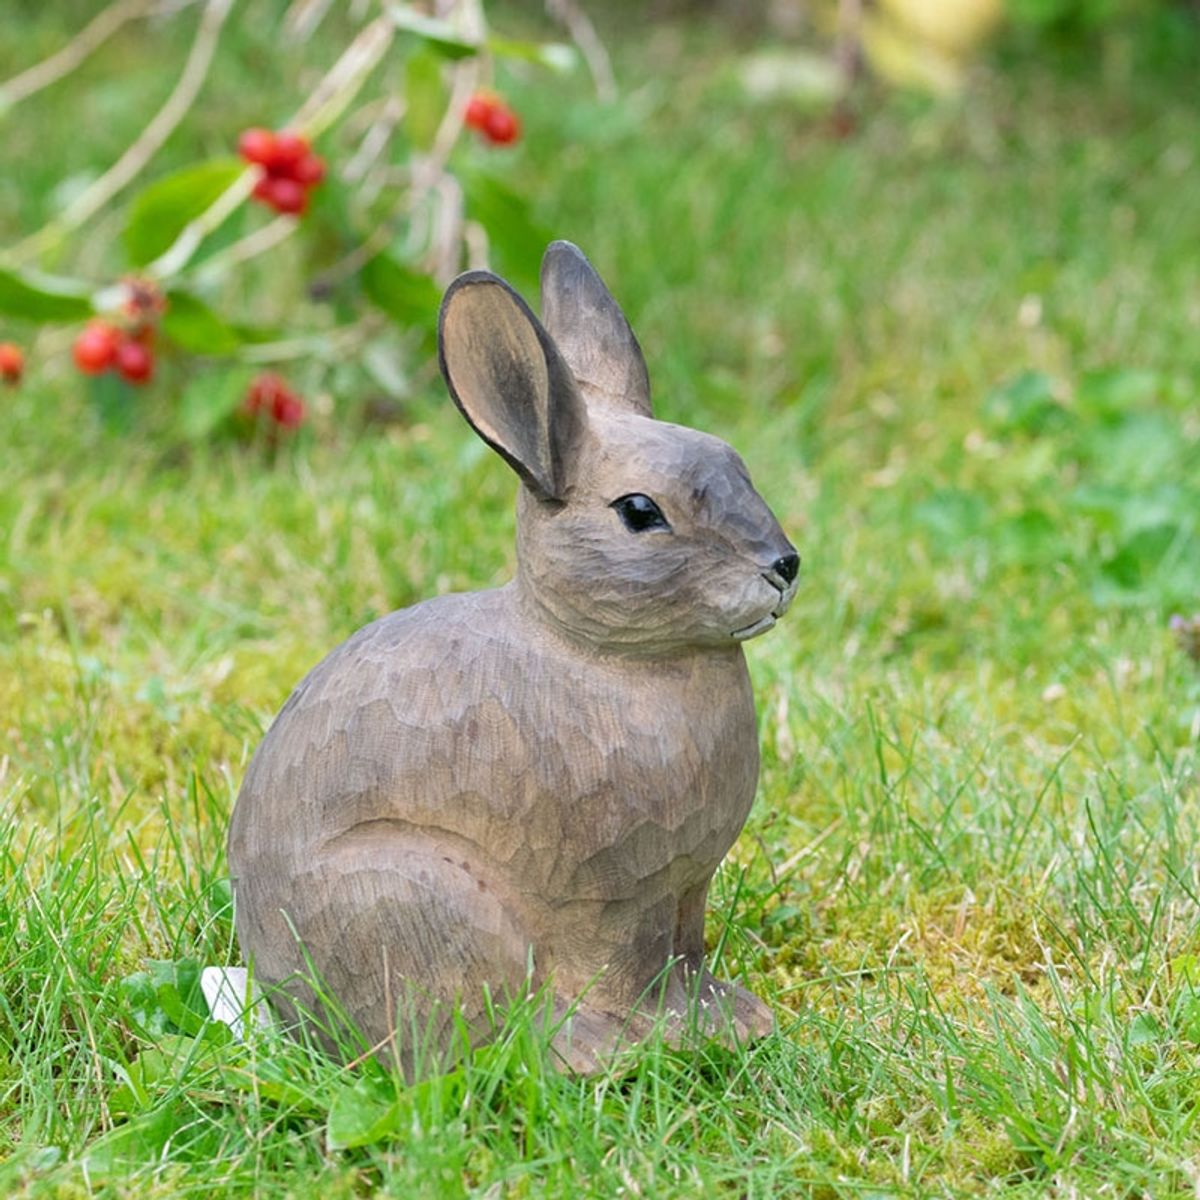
(759, 626)
(786, 591)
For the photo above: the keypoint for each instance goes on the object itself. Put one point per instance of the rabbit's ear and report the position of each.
(510, 382)
(590, 329)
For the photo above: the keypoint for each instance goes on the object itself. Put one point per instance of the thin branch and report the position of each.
(328, 100)
(265, 238)
(63, 62)
(131, 163)
(374, 141)
(428, 174)
(583, 33)
(331, 96)
(303, 17)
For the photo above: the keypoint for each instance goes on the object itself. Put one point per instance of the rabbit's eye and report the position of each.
(640, 513)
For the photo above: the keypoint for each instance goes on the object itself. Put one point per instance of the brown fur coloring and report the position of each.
(535, 783)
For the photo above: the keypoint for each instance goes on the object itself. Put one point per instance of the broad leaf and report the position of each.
(162, 210)
(139, 1141)
(425, 98)
(439, 36)
(210, 398)
(409, 298)
(558, 56)
(950, 515)
(1112, 392)
(517, 239)
(192, 325)
(268, 1080)
(32, 297)
(1025, 403)
(166, 997)
(361, 1113)
(114, 400)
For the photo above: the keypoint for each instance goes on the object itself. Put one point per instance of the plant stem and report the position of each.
(50, 70)
(327, 102)
(147, 144)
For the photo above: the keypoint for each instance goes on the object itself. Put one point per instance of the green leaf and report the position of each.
(162, 210)
(141, 1140)
(951, 514)
(114, 400)
(1025, 403)
(558, 56)
(439, 36)
(29, 296)
(1114, 391)
(408, 297)
(425, 98)
(1028, 536)
(193, 326)
(165, 997)
(1144, 1030)
(210, 398)
(1140, 555)
(157, 1068)
(516, 237)
(269, 1081)
(361, 1113)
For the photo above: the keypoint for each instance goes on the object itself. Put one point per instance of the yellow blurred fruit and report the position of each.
(954, 27)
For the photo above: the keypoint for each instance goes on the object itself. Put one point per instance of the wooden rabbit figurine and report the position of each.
(534, 783)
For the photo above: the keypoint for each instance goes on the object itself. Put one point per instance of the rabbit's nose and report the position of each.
(787, 567)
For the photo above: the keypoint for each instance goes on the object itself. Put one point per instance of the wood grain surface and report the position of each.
(532, 785)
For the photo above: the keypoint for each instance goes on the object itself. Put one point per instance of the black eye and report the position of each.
(640, 513)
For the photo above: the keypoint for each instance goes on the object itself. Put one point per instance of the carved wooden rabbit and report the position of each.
(540, 779)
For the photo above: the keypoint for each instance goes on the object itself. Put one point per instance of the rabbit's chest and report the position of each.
(567, 775)
(612, 785)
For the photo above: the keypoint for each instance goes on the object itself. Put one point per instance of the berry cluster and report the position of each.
(290, 168)
(492, 119)
(105, 347)
(270, 396)
(12, 362)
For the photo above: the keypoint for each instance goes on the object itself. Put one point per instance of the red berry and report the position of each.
(501, 126)
(96, 348)
(478, 108)
(134, 362)
(285, 195)
(288, 409)
(310, 170)
(12, 362)
(262, 392)
(257, 146)
(290, 149)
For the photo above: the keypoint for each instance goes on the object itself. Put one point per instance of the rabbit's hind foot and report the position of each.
(588, 1040)
(728, 1011)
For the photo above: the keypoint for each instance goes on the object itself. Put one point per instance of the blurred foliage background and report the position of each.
(940, 290)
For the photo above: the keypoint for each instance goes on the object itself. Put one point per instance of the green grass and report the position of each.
(958, 352)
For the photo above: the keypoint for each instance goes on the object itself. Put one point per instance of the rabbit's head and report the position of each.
(633, 535)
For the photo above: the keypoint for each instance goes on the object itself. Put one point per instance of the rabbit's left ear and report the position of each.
(590, 329)
(510, 382)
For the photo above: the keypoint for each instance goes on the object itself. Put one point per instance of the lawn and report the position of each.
(959, 352)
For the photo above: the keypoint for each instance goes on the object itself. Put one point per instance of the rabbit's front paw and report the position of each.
(727, 1011)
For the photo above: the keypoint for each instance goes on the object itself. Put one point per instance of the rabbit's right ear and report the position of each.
(591, 331)
(510, 382)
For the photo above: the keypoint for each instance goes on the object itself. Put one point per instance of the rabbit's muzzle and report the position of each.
(782, 575)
